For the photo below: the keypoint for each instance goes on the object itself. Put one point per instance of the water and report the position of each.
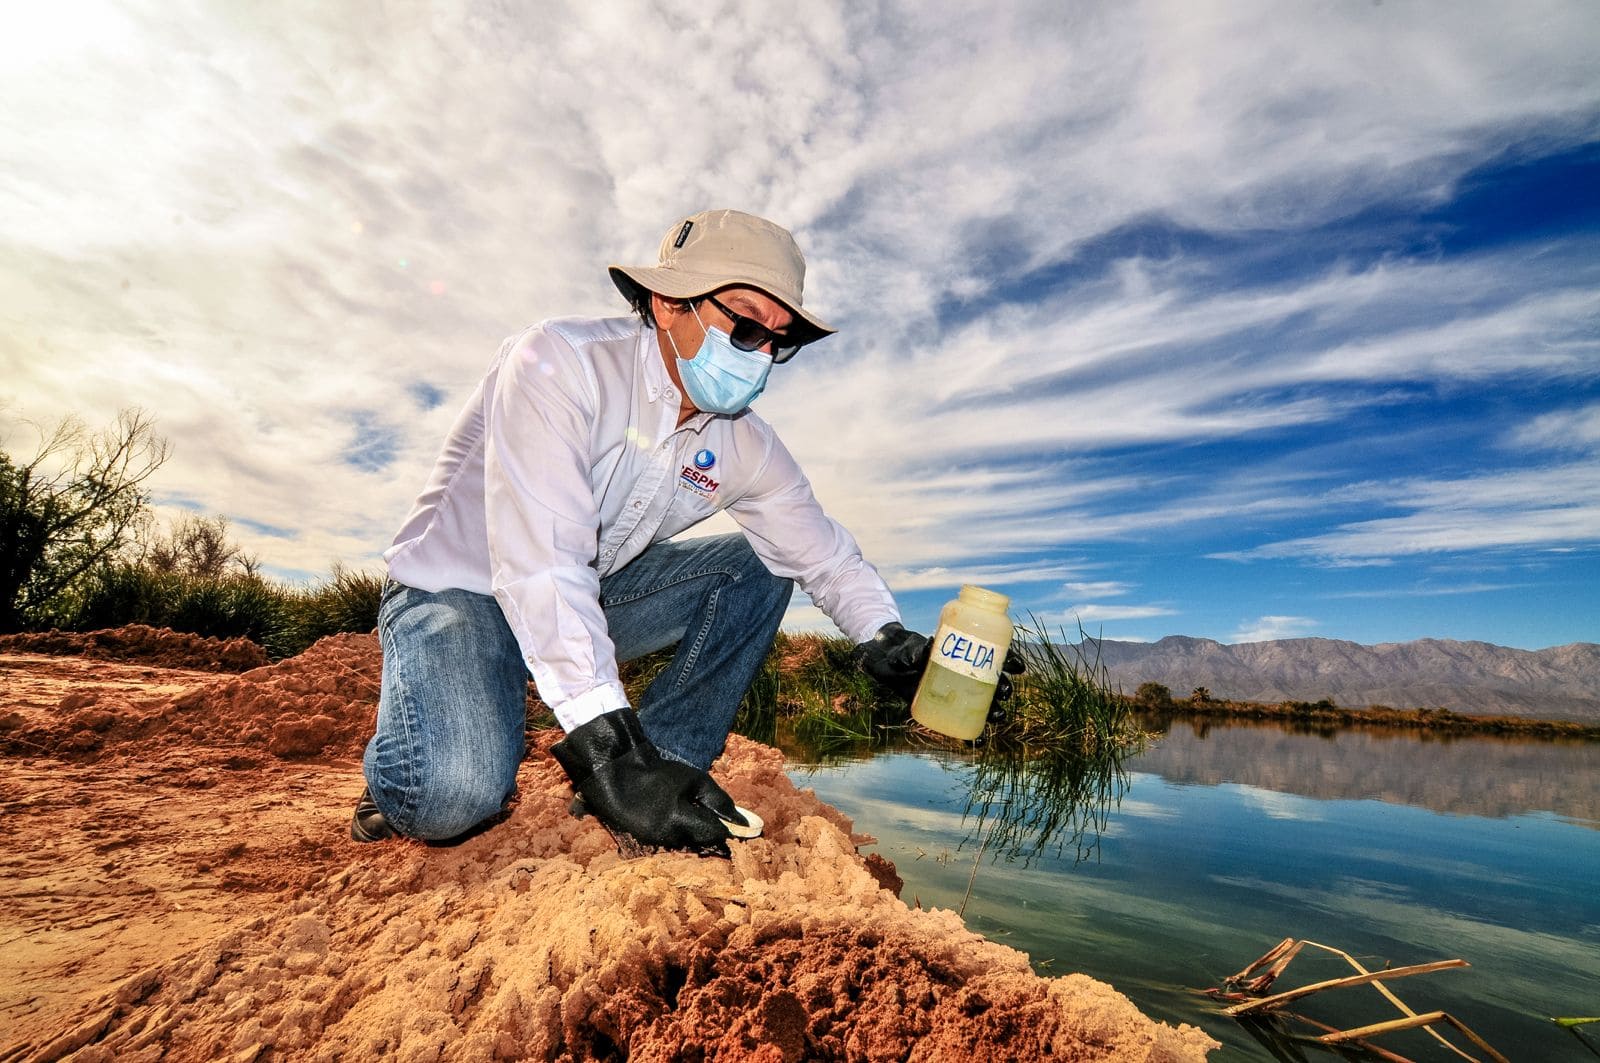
(1217, 843)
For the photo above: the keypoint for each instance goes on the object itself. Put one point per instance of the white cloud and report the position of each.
(1128, 808)
(807, 619)
(1268, 628)
(1430, 592)
(1524, 508)
(983, 575)
(1090, 612)
(1102, 589)
(1574, 429)
(1281, 806)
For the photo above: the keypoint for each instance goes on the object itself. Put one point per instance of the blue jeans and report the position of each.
(451, 710)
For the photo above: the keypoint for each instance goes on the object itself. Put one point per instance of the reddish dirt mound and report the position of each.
(137, 642)
(322, 702)
(185, 899)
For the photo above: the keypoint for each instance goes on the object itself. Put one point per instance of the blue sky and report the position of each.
(1232, 320)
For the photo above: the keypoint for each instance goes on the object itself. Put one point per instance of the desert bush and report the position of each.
(348, 601)
(1152, 696)
(231, 606)
(72, 506)
(282, 618)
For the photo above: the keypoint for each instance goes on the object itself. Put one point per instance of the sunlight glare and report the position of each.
(40, 35)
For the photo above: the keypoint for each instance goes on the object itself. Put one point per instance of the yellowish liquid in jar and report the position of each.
(952, 703)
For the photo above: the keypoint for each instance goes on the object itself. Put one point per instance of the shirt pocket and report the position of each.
(691, 503)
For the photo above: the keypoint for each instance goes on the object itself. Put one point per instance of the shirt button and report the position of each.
(638, 505)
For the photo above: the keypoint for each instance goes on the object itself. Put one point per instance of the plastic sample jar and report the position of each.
(968, 649)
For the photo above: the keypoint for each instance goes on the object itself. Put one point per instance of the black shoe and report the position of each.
(368, 824)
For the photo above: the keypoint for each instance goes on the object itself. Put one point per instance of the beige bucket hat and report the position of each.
(718, 248)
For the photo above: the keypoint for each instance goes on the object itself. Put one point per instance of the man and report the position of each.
(540, 544)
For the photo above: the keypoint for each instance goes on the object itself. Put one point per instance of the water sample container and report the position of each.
(969, 647)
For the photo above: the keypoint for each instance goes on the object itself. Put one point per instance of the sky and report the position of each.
(1225, 319)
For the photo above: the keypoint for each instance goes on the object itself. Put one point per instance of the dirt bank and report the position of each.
(145, 644)
(178, 885)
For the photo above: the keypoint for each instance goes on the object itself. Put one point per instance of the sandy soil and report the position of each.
(178, 884)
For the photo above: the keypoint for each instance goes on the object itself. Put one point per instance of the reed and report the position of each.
(1066, 701)
(810, 692)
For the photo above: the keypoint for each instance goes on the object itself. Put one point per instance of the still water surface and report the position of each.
(1218, 842)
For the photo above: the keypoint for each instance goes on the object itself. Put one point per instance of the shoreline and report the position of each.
(1322, 717)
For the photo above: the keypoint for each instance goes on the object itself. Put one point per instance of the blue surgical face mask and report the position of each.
(721, 378)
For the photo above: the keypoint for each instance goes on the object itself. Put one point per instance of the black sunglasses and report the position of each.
(749, 334)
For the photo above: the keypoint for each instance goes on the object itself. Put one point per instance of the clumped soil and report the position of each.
(140, 642)
(178, 884)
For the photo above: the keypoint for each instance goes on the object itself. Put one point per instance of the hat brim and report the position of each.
(680, 284)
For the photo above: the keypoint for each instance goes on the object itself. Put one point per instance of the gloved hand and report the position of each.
(896, 658)
(632, 789)
(1014, 664)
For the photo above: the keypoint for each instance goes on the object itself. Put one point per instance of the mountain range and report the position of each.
(1560, 683)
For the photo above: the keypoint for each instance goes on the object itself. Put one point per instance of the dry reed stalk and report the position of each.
(1268, 1003)
(1278, 957)
(1412, 1023)
(1388, 995)
(1377, 1051)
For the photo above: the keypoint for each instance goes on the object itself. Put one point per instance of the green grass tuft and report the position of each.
(1066, 701)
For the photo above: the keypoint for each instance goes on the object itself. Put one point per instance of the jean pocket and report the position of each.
(386, 603)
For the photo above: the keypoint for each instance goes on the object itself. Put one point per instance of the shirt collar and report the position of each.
(658, 385)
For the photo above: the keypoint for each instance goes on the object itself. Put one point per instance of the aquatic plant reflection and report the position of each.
(1025, 802)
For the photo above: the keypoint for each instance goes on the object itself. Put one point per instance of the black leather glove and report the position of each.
(1014, 664)
(632, 789)
(894, 659)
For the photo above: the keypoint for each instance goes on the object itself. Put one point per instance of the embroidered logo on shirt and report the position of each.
(704, 459)
(697, 481)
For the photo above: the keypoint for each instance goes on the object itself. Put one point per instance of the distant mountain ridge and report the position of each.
(1559, 683)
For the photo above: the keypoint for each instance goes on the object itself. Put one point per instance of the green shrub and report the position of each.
(1153, 696)
(348, 601)
(230, 606)
(282, 618)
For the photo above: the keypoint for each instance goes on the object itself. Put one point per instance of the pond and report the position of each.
(1199, 854)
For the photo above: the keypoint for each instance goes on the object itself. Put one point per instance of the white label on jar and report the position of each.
(966, 655)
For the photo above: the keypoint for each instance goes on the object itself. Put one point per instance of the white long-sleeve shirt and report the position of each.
(567, 462)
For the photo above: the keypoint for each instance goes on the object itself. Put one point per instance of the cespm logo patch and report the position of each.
(694, 474)
(697, 481)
